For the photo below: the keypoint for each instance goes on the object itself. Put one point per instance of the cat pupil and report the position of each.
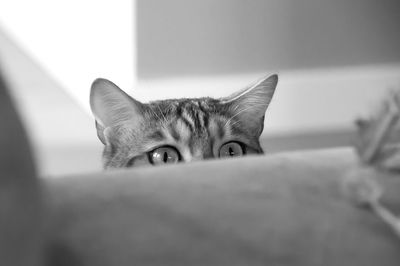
(165, 157)
(231, 152)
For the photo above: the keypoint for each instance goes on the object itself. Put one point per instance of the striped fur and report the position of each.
(197, 128)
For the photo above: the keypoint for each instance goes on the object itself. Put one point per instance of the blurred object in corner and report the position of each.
(20, 200)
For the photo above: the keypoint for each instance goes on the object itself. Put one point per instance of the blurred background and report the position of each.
(335, 60)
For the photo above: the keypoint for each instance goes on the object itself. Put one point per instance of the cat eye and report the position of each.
(231, 149)
(164, 155)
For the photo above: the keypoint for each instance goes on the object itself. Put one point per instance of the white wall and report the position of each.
(76, 41)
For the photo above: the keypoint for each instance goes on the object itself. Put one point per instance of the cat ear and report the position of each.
(112, 106)
(251, 103)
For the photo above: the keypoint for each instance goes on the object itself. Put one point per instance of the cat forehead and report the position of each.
(176, 107)
(205, 102)
(184, 119)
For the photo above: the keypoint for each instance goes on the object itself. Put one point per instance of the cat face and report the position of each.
(178, 130)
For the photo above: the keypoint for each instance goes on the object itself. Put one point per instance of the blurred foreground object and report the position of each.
(378, 137)
(285, 209)
(20, 202)
(378, 147)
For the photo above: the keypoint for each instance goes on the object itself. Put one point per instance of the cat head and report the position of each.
(178, 130)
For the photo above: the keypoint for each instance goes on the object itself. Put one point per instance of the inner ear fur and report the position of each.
(250, 105)
(111, 107)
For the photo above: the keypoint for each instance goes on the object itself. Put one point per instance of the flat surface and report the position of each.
(285, 209)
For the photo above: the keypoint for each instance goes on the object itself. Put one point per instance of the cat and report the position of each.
(178, 130)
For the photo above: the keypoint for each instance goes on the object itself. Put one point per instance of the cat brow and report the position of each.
(156, 135)
(187, 120)
(174, 133)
